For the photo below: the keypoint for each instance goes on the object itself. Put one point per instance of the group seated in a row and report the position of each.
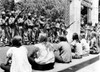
(84, 47)
(44, 54)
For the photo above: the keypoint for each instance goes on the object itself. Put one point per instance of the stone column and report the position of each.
(95, 4)
(75, 14)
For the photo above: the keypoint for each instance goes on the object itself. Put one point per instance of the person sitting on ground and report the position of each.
(85, 46)
(17, 60)
(42, 58)
(93, 44)
(63, 51)
(76, 47)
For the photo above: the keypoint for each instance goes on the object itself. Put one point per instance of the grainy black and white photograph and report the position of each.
(49, 35)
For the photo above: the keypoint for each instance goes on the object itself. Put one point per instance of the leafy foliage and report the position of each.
(49, 8)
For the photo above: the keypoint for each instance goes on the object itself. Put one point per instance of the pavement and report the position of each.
(89, 63)
(95, 67)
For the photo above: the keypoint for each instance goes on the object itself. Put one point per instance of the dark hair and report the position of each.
(65, 32)
(75, 37)
(62, 38)
(29, 17)
(16, 42)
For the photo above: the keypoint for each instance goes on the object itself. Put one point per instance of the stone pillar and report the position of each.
(89, 15)
(95, 13)
(75, 14)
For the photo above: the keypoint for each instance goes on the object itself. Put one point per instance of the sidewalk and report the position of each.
(60, 67)
(94, 67)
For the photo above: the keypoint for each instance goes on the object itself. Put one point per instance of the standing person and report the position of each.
(63, 51)
(30, 27)
(2, 36)
(25, 37)
(17, 60)
(12, 25)
(33, 36)
(7, 29)
(2, 21)
(43, 58)
(20, 21)
(76, 47)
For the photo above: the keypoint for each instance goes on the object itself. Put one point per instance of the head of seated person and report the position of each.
(62, 38)
(75, 37)
(16, 41)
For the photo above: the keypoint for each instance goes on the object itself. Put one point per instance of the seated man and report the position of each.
(17, 59)
(63, 51)
(76, 47)
(43, 57)
(94, 49)
(85, 46)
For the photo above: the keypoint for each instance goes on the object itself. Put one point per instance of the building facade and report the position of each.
(95, 12)
(82, 12)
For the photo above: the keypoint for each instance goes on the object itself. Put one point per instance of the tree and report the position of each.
(48, 8)
(6, 4)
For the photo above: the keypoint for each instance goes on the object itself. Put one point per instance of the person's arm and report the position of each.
(8, 56)
(91, 43)
(7, 61)
(73, 44)
(33, 54)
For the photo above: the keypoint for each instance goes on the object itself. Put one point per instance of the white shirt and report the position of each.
(19, 59)
(45, 54)
(85, 44)
(78, 47)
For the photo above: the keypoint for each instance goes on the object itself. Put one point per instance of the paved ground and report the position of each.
(86, 64)
(90, 63)
(95, 67)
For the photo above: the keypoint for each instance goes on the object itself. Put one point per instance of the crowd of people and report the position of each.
(49, 40)
(29, 27)
(44, 53)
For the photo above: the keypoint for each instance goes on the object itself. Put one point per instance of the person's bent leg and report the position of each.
(32, 62)
(48, 66)
(5, 67)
